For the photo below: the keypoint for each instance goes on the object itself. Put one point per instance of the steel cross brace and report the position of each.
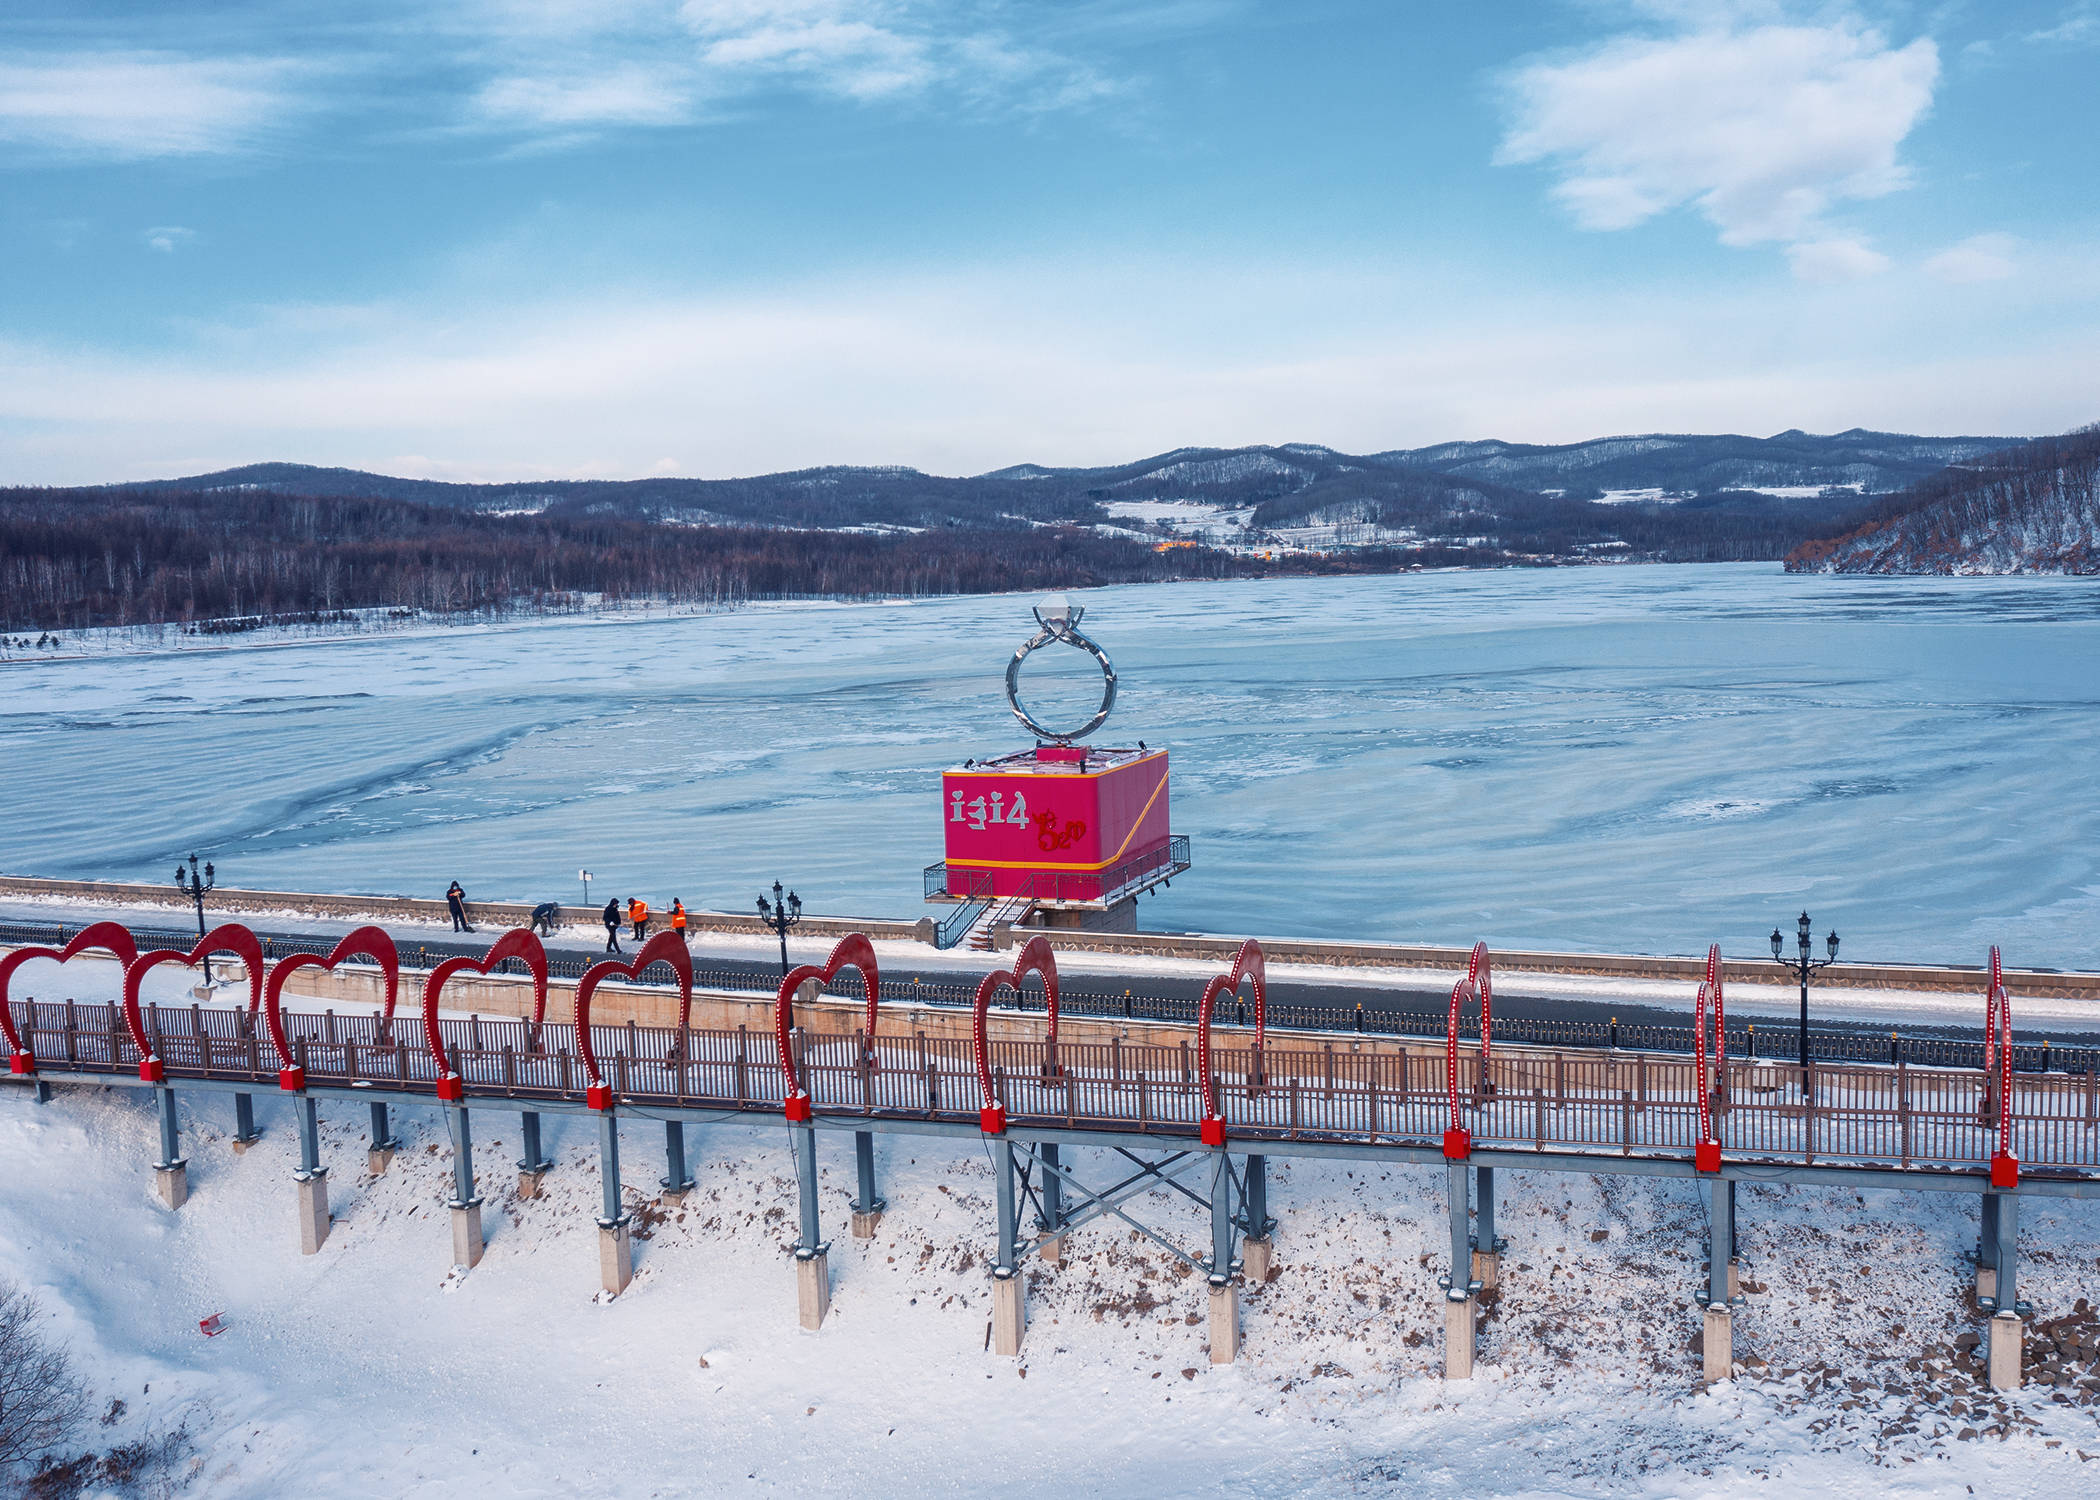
(1149, 1176)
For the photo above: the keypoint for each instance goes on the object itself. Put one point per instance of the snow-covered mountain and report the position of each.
(2028, 509)
(1866, 462)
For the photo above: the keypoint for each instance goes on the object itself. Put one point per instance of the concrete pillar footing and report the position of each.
(1487, 1268)
(378, 1159)
(672, 1194)
(530, 1180)
(2008, 1335)
(466, 1233)
(313, 1211)
(1458, 1338)
(241, 1143)
(866, 1222)
(1735, 1280)
(615, 1255)
(813, 1286)
(1224, 1323)
(1986, 1283)
(1009, 1313)
(1051, 1247)
(172, 1182)
(1255, 1256)
(1717, 1360)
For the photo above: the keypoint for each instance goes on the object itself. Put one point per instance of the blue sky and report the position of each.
(535, 238)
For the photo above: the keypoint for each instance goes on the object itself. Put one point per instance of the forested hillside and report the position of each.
(2028, 509)
(69, 560)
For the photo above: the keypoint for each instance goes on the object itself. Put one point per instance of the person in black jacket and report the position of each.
(456, 898)
(544, 916)
(612, 926)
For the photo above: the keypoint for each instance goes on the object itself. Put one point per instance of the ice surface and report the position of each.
(1645, 758)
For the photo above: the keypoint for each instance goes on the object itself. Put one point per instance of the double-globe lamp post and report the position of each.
(1803, 965)
(781, 913)
(194, 887)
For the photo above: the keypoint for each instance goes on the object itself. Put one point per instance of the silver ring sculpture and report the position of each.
(1061, 624)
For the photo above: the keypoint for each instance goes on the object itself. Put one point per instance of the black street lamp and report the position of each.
(1803, 965)
(190, 885)
(781, 913)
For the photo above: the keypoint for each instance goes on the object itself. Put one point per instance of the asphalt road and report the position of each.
(1336, 1001)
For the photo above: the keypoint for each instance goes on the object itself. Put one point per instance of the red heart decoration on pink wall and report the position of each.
(666, 947)
(364, 942)
(1035, 956)
(854, 951)
(111, 937)
(230, 937)
(520, 943)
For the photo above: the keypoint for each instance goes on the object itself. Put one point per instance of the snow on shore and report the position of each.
(372, 1368)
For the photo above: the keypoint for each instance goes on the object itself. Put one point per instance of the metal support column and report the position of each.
(2008, 1334)
(1051, 1225)
(1717, 1335)
(171, 1178)
(311, 1177)
(1224, 1295)
(812, 1254)
(1987, 1250)
(465, 1203)
(1009, 1309)
(1487, 1245)
(532, 1161)
(1220, 1264)
(244, 1132)
(868, 1207)
(380, 1155)
(1256, 1226)
(676, 1182)
(1459, 1285)
(615, 1237)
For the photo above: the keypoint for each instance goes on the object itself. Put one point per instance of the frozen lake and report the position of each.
(1627, 758)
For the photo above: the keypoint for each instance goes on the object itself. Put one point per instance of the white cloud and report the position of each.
(134, 105)
(561, 67)
(168, 238)
(627, 94)
(1982, 257)
(1763, 129)
(2080, 27)
(1834, 260)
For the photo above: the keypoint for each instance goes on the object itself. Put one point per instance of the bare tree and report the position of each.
(41, 1399)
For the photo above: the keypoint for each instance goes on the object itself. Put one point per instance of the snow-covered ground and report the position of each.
(374, 1368)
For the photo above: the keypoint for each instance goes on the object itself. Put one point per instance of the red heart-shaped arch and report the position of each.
(1478, 982)
(1035, 957)
(666, 947)
(854, 951)
(111, 937)
(1247, 964)
(363, 942)
(520, 943)
(231, 937)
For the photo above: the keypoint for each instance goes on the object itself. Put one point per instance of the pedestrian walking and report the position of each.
(545, 916)
(612, 926)
(638, 914)
(678, 916)
(456, 898)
